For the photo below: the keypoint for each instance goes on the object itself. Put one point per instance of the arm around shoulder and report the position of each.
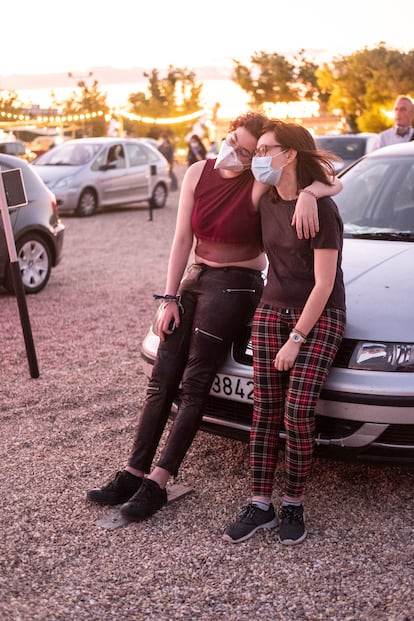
(305, 218)
(319, 189)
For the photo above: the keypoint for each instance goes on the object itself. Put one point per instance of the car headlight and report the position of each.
(383, 357)
(66, 182)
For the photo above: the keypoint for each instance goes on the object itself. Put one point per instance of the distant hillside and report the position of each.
(104, 75)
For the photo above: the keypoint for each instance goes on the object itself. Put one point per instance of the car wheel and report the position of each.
(159, 196)
(87, 203)
(35, 264)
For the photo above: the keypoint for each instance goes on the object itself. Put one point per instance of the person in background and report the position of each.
(297, 328)
(203, 308)
(116, 156)
(167, 149)
(196, 150)
(402, 131)
(213, 149)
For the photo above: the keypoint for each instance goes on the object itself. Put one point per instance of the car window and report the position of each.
(403, 204)
(69, 154)
(116, 156)
(100, 160)
(378, 194)
(154, 157)
(30, 178)
(137, 154)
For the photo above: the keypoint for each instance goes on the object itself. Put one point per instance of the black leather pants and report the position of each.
(217, 303)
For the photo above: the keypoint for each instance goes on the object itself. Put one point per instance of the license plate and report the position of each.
(233, 388)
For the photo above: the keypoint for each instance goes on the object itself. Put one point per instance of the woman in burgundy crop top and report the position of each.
(203, 309)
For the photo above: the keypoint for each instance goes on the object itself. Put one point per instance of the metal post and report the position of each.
(18, 284)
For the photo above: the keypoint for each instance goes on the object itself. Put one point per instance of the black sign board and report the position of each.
(14, 187)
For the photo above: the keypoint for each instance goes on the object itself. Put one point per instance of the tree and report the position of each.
(305, 74)
(9, 99)
(271, 78)
(90, 102)
(366, 83)
(325, 82)
(175, 95)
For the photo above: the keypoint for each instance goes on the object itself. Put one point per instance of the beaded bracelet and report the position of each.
(307, 191)
(299, 332)
(168, 299)
(171, 298)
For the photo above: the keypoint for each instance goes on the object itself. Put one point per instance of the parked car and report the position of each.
(151, 141)
(348, 147)
(366, 409)
(88, 173)
(18, 149)
(38, 231)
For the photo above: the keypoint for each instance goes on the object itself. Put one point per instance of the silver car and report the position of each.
(366, 409)
(348, 147)
(37, 229)
(89, 173)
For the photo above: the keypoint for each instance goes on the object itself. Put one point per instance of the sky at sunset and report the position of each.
(54, 37)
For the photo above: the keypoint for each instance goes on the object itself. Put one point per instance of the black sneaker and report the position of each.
(148, 499)
(292, 527)
(117, 491)
(250, 520)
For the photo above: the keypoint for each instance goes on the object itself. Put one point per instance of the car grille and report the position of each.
(242, 350)
(231, 411)
(241, 413)
(335, 428)
(398, 435)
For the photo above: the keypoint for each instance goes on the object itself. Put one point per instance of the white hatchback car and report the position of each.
(366, 409)
(88, 173)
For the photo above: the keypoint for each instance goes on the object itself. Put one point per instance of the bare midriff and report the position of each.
(257, 263)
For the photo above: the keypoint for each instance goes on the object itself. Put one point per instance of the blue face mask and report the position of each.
(264, 172)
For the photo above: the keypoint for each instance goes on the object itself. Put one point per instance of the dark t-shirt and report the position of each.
(291, 260)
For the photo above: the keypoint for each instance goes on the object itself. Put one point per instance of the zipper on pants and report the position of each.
(213, 336)
(239, 290)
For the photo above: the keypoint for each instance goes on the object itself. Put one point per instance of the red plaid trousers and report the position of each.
(290, 396)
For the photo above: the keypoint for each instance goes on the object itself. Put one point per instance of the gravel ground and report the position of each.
(72, 428)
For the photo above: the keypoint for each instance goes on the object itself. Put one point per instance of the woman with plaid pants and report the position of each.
(297, 329)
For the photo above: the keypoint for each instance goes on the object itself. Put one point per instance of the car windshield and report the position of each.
(69, 154)
(377, 199)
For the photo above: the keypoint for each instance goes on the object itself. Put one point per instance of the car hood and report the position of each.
(51, 174)
(379, 281)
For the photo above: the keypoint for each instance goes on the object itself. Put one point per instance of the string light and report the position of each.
(163, 121)
(64, 118)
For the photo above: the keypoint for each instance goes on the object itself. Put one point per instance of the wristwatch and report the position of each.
(297, 338)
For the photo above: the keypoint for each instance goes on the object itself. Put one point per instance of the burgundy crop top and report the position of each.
(224, 221)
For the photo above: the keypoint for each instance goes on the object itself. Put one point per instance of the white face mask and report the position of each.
(228, 159)
(264, 172)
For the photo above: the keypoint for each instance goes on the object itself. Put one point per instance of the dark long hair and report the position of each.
(313, 164)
